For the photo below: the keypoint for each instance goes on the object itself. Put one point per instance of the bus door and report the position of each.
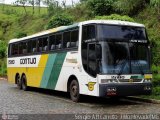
(92, 68)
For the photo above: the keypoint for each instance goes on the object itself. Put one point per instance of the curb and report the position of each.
(154, 101)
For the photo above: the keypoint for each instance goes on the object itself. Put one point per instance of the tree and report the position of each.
(38, 2)
(32, 2)
(59, 20)
(64, 3)
(156, 4)
(3, 48)
(23, 3)
(100, 7)
(52, 7)
(129, 7)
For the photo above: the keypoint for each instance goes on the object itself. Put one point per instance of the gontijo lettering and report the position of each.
(28, 61)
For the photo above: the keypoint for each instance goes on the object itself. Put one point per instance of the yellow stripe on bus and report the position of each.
(33, 74)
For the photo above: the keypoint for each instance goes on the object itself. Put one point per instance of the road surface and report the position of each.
(39, 101)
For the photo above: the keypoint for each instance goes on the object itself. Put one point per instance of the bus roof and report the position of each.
(61, 28)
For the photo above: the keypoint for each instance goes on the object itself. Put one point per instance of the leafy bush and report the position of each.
(3, 67)
(80, 12)
(156, 4)
(156, 90)
(156, 75)
(59, 20)
(20, 34)
(101, 7)
(155, 43)
(116, 17)
(129, 7)
(3, 49)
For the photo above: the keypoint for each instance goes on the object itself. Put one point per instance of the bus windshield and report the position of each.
(119, 55)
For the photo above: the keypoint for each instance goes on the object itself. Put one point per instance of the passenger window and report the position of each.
(74, 38)
(10, 50)
(66, 40)
(40, 44)
(89, 33)
(15, 49)
(45, 44)
(58, 41)
(29, 48)
(23, 48)
(34, 46)
(52, 42)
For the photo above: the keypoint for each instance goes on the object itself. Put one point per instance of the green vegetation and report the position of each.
(115, 17)
(17, 21)
(3, 53)
(59, 20)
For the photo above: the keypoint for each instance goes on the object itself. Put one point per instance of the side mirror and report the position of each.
(98, 51)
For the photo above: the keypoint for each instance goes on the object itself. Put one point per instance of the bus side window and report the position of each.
(66, 39)
(22, 48)
(34, 46)
(29, 48)
(52, 42)
(58, 41)
(45, 44)
(40, 44)
(89, 33)
(25, 47)
(74, 38)
(15, 49)
(9, 50)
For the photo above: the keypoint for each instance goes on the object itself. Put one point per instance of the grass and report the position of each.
(156, 97)
(3, 67)
(19, 10)
(14, 20)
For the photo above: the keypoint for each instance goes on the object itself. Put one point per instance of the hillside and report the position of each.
(14, 21)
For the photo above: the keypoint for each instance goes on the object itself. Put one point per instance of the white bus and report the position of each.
(102, 58)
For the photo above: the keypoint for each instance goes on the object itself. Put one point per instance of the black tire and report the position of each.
(19, 82)
(74, 91)
(24, 83)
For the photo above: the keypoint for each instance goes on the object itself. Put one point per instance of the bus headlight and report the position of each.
(147, 80)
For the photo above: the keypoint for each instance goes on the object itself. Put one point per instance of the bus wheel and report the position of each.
(18, 81)
(24, 83)
(74, 91)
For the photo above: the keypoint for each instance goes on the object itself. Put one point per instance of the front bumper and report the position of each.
(125, 89)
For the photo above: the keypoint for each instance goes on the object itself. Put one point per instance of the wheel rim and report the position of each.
(74, 90)
(18, 81)
(23, 83)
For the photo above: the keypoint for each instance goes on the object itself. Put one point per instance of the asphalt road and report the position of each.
(39, 101)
